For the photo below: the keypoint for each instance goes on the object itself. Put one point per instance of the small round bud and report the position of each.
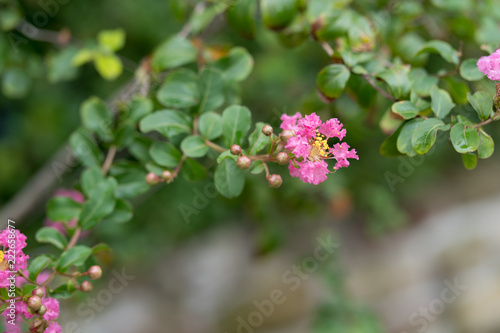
(34, 303)
(38, 292)
(285, 135)
(152, 178)
(243, 162)
(274, 181)
(42, 310)
(95, 272)
(86, 286)
(235, 150)
(166, 175)
(282, 158)
(37, 322)
(267, 130)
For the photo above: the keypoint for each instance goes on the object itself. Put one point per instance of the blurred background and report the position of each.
(386, 245)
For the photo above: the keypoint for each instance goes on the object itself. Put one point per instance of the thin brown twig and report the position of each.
(109, 160)
(74, 238)
(377, 88)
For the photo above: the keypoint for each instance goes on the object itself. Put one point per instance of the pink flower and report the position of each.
(52, 308)
(332, 129)
(53, 328)
(294, 172)
(12, 242)
(290, 122)
(341, 153)
(310, 147)
(490, 65)
(314, 172)
(299, 146)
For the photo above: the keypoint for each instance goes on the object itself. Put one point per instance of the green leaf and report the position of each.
(85, 148)
(236, 122)
(397, 79)
(464, 139)
(332, 80)
(257, 167)
(51, 236)
(236, 65)
(211, 87)
(10, 16)
(165, 154)
(174, 52)
(101, 202)
(63, 209)
(170, 123)
(138, 108)
(90, 178)
(406, 109)
(469, 161)
(28, 290)
(277, 14)
(15, 83)
(441, 103)
(229, 179)
(179, 90)
(37, 265)
(199, 20)
(241, 17)
(482, 103)
(131, 184)
(111, 40)
(424, 136)
(83, 56)
(224, 155)
(442, 48)
(97, 117)
(63, 291)
(60, 66)
(194, 146)
(257, 140)
(421, 82)
(193, 171)
(121, 214)
(75, 256)
(486, 145)
(109, 66)
(100, 248)
(389, 146)
(210, 125)
(469, 70)
(404, 144)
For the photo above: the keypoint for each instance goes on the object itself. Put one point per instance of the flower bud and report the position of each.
(235, 150)
(274, 181)
(95, 272)
(285, 135)
(152, 178)
(243, 162)
(37, 322)
(282, 158)
(167, 175)
(34, 303)
(38, 292)
(267, 130)
(86, 286)
(42, 310)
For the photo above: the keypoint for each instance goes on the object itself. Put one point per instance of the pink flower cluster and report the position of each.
(310, 147)
(12, 242)
(490, 65)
